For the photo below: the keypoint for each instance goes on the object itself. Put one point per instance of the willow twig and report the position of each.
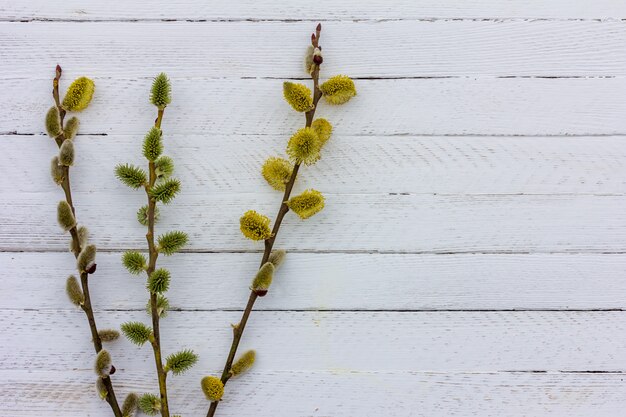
(159, 188)
(239, 328)
(76, 249)
(155, 340)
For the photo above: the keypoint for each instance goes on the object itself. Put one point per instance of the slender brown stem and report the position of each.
(269, 243)
(86, 306)
(155, 340)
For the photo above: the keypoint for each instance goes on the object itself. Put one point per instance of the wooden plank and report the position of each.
(361, 49)
(338, 393)
(346, 341)
(351, 164)
(328, 282)
(350, 222)
(304, 10)
(211, 107)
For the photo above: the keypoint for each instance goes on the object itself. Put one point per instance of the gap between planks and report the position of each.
(342, 310)
(294, 21)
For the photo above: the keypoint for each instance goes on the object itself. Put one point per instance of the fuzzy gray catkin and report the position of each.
(66, 153)
(65, 216)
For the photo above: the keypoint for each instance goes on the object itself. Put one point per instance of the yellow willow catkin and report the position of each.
(255, 226)
(277, 172)
(323, 128)
(338, 89)
(298, 96)
(304, 146)
(79, 94)
(212, 387)
(307, 204)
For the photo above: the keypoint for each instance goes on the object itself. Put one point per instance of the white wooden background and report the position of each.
(472, 257)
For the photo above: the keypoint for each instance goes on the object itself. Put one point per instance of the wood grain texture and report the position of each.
(305, 10)
(318, 281)
(394, 49)
(346, 341)
(350, 222)
(479, 170)
(207, 107)
(335, 393)
(351, 164)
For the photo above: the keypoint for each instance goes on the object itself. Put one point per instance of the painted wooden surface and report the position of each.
(362, 49)
(328, 281)
(471, 257)
(120, 10)
(468, 106)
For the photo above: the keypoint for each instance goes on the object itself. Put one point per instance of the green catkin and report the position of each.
(150, 404)
(243, 364)
(66, 153)
(277, 172)
(101, 390)
(263, 279)
(74, 291)
(71, 128)
(171, 242)
(65, 216)
(79, 94)
(160, 95)
(338, 89)
(323, 128)
(164, 167)
(159, 281)
(142, 215)
(255, 226)
(306, 204)
(165, 191)
(86, 260)
(152, 144)
(304, 146)
(180, 362)
(134, 262)
(277, 257)
(136, 332)
(163, 305)
(130, 175)
(212, 387)
(56, 170)
(298, 96)
(131, 403)
(108, 335)
(103, 365)
(53, 122)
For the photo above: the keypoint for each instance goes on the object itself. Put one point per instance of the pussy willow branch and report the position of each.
(155, 340)
(84, 281)
(269, 243)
